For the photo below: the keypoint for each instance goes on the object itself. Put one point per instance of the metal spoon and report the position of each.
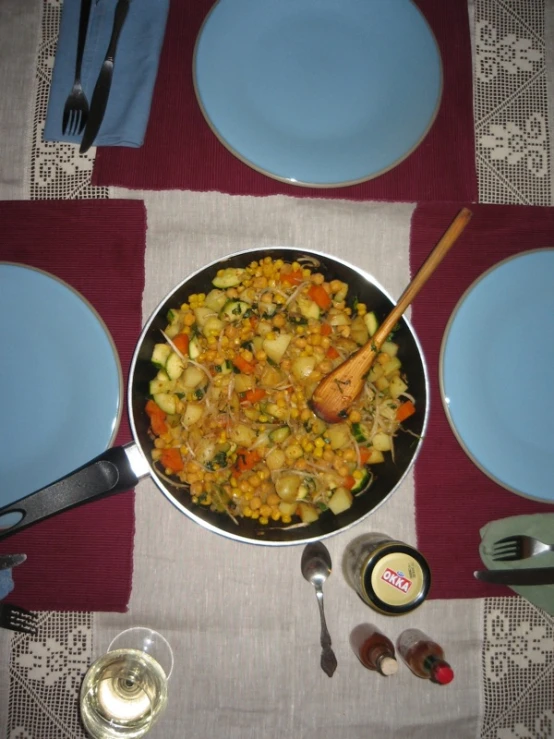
(338, 390)
(316, 568)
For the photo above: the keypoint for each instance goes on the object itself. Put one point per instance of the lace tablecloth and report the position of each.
(510, 691)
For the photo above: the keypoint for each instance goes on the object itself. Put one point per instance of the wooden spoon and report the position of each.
(337, 391)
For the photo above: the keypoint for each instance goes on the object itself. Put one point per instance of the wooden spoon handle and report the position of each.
(425, 271)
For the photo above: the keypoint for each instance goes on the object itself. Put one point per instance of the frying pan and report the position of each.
(120, 468)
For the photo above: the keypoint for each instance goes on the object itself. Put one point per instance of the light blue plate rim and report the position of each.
(301, 183)
(479, 463)
(105, 436)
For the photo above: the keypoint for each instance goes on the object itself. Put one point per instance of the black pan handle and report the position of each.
(114, 471)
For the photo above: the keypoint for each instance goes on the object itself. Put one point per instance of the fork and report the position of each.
(518, 547)
(17, 619)
(75, 112)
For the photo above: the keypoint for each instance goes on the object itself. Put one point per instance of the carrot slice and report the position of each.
(252, 396)
(319, 295)
(406, 410)
(326, 329)
(241, 364)
(292, 278)
(365, 454)
(181, 341)
(349, 482)
(171, 459)
(157, 418)
(332, 353)
(246, 459)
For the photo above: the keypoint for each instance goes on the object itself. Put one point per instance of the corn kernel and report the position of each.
(275, 515)
(319, 442)
(263, 520)
(247, 511)
(285, 518)
(318, 452)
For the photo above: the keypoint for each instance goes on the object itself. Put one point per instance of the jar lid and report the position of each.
(396, 578)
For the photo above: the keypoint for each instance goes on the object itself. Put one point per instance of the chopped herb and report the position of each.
(199, 393)
(247, 345)
(343, 413)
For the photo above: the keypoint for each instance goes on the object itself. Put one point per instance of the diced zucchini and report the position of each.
(397, 386)
(194, 348)
(230, 277)
(362, 478)
(358, 331)
(172, 315)
(338, 435)
(234, 310)
(191, 378)
(202, 314)
(279, 435)
(371, 322)
(268, 309)
(316, 426)
(302, 367)
(360, 432)
(275, 348)
(276, 411)
(390, 348)
(224, 368)
(308, 308)
(159, 386)
(160, 354)
(172, 331)
(375, 373)
(391, 366)
(341, 500)
(215, 300)
(338, 319)
(193, 413)
(376, 457)
(307, 513)
(174, 366)
(167, 402)
(381, 442)
(244, 383)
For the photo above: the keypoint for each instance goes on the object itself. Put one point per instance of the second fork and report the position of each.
(76, 109)
(518, 547)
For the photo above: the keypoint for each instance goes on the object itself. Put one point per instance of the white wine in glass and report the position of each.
(125, 691)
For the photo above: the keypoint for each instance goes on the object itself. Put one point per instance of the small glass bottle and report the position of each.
(374, 650)
(424, 657)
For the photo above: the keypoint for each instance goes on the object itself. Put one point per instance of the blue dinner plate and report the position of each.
(61, 381)
(496, 365)
(322, 93)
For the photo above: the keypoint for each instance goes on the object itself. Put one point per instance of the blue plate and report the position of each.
(61, 381)
(496, 365)
(322, 93)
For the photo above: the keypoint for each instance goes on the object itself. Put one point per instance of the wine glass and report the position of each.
(125, 691)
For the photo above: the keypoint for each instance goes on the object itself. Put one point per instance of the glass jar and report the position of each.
(390, 576)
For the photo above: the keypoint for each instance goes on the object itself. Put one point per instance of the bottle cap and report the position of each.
(443, 673)
(388, 666)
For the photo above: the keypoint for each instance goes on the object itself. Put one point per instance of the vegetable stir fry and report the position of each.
(229, 407)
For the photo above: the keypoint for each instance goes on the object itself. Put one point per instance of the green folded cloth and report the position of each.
(539, 525)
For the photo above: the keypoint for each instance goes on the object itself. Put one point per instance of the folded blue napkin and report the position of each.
(135, 69)
(6, 583)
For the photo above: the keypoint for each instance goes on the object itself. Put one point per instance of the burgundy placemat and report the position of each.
(82, 560)
(180, 151)
(454, 499)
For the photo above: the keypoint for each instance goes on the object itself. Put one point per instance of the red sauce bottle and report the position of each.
(374, 650)
(424, 657)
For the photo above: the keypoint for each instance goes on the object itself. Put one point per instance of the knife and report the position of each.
(11, 560)
(528, 576)
(104, 82)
